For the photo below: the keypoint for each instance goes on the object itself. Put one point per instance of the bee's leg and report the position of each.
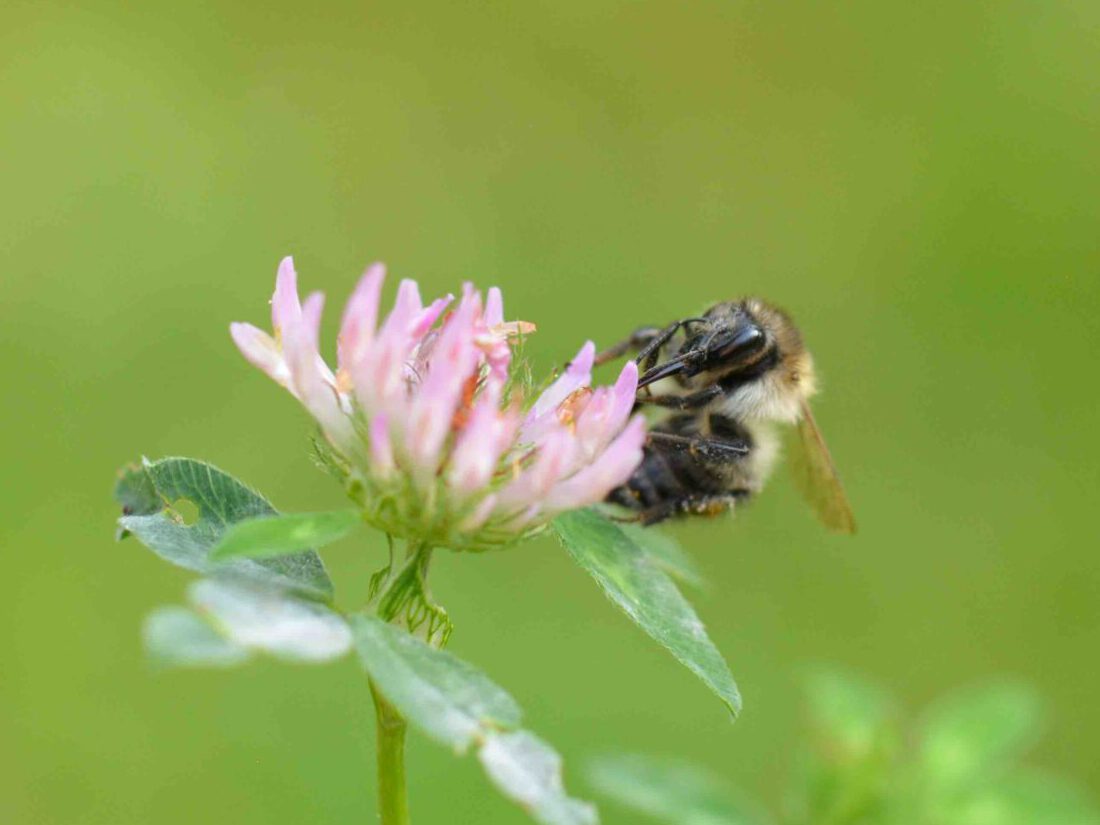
(701, 446)
(695, 505)
(684, 402)
(639, 339)
(647, 355)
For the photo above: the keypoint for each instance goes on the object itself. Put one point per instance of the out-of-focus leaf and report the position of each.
(272, 621)
(267, 536)
(222, 501)
(1021, 799)
(527, 770)
(851, 718)
(647, 595)
(666, 552)
(175, 636)
(846, 775)
(970, 733)
(448, 699)
(671, 791)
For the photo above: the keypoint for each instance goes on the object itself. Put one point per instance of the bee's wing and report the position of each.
(816, 475)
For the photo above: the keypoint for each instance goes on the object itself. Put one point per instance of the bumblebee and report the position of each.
(728, 380)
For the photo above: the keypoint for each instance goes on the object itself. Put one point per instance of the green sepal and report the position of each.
(672, 791)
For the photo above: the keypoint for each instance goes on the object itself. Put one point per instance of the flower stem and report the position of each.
(393, 798)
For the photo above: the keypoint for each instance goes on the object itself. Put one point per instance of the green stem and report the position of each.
(393, 798)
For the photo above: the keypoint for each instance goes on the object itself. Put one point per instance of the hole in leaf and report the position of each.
(184, 511)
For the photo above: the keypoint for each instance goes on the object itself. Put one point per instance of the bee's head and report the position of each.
(756, 353)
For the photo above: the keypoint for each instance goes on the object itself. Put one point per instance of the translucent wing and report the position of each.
(816, 475)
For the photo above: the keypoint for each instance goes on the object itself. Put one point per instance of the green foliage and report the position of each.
(962, 770)
(629, 577)
(270, 605)
(455, 704)
(853, 736)
(268, 536)
(970, 735)
(849, 717)
(149, 495)
(670, 790)
(1021, 798)
(265, 592)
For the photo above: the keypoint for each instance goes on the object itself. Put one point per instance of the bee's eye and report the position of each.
(744, 341)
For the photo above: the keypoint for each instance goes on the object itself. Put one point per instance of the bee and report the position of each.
(728, 380)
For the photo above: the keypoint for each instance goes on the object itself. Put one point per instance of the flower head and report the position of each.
(420, 413)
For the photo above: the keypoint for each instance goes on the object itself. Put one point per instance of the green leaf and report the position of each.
(971, 733)
(272, 621)
(458, 706)
(647, 595)
(268, 536)
(135, 492)
(136, 495)
(151, 495)
(671, 790)
(527, 770)
(174, 636)
(852, 720)
(666, 553)
(1021, 799)
(448, 699)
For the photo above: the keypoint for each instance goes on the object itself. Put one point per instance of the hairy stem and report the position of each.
(404, 597)
(393, 798)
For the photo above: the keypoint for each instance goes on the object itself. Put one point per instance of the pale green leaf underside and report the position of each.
(458, 706)
(448, 699)
(175, 636)
(669, 790)
(231, 620)
(528, 771)
(281, 535)
(271, 621)
(148, 494)
(647, 595)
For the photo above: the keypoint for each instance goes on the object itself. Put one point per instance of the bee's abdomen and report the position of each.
(674, 479)
(662, 477)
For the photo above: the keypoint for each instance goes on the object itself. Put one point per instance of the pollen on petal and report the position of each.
(578, 374)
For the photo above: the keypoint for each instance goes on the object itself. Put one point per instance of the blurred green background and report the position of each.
(916, 182)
